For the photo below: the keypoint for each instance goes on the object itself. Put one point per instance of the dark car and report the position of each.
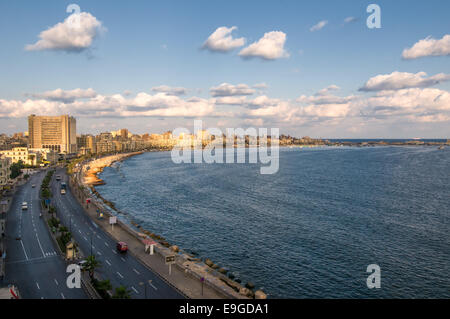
(122, 247)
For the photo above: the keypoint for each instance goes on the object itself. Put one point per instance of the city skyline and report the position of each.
(317, 71)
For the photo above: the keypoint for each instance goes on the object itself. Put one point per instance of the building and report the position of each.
(47, 155)
(22, 154)
(57, 133)
(86, 144)
(5, 170)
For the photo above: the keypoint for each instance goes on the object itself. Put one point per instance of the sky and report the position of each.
(306, 67)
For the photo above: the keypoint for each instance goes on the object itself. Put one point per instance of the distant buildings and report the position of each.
(57, 133)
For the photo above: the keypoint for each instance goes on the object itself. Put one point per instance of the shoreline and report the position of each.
(203, 271)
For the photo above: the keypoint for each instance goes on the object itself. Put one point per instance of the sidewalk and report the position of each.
(182, 278)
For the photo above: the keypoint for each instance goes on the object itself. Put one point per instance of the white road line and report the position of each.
(106, 260)
(123, 259)
(134, 289)
(85, 238)
(23, 247)
(106, 244)
(79, 231)
(56, 282)
(99, 237)
(137, 272)
(99, 253)
(38, 286)
(43, 254)
(114, 251)
(152, 286)
(62, 295)
(119, 274)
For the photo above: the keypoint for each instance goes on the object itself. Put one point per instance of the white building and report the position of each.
(22, 154)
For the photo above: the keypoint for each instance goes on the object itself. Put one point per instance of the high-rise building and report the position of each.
(57, 133)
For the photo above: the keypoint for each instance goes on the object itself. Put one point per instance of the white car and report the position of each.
(63, 191)
(24, 205)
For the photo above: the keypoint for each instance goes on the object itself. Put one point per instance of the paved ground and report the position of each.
(32, 263)
(120, 269)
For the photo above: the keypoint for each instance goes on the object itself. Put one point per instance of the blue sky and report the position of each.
(147, 44)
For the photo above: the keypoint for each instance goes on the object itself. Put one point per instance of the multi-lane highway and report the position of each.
(32, 263)
(120, 269)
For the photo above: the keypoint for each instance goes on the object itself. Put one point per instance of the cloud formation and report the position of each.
(66, 96)
(428, 47)
(269, 47)
(221, 40)
(402, 80)
(320, 25)
(75, 34)
(226, 89)
(170, 90)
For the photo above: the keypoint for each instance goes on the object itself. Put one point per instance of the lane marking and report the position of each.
(23, 247)
(106, 260)
(62, 295)
(85, 238)
(114, 251)
(120, 275)
(137, 272)
(106, 244)
(134, 289)
(43, 254)
(152, 286)
(123, 259)
(38, 286)
(56, 282)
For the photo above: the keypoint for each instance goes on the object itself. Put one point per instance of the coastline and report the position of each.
(202, 271)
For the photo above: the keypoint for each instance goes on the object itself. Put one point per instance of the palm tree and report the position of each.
(122, 293)
(90, 265)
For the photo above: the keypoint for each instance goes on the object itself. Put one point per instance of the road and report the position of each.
(32, 263)
(120, 269)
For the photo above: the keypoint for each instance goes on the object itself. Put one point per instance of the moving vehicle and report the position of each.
(58, 177)
(24, 206)
(122, 247)
(63, 188)
(33, 186)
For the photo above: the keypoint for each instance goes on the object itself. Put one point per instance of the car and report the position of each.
(63, 191)
(58, 177)
(122, 247)
(33, 186)
(24, 205)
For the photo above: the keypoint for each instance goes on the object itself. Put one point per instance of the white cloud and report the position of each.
(320, 25)
(402, 80)
(269, 47)
(428, 47)
(221, 40)
(350, 19)
(170, 90)
(66, 96)
(260, 86)
(69, 36)
(226, 89)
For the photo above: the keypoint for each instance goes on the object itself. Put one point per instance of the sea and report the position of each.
(313, 229)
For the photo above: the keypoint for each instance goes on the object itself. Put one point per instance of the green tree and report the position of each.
(91, 265)
(16, 169)
(122, 292)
